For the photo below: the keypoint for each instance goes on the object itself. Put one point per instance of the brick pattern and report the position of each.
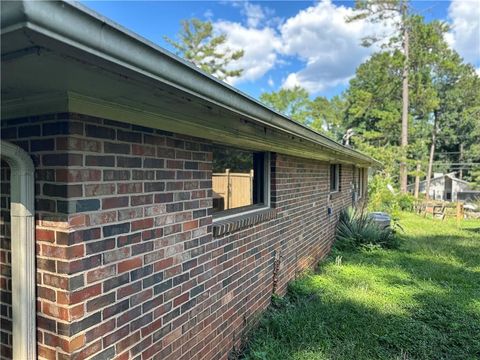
(5, 265)
(128, 267)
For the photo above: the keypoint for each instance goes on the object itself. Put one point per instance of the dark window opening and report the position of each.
(238, 181)
(334, 177)
(360, 181)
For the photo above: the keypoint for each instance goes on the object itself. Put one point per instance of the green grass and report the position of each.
(421, 301)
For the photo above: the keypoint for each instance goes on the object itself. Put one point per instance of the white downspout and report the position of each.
(22, 215)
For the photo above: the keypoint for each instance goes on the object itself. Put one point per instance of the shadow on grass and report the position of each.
(419, 302)
(464, 251)
(436, 269)
(319, 329)
(474, 230)
(440, 321)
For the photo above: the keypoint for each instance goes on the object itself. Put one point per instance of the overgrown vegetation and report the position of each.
(382, 196)
(418, 302)
(357, 229)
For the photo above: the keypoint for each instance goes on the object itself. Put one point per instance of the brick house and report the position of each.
(115, 242)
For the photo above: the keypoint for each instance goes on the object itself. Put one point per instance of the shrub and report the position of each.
(381, 198)
(356, 229)
(405, 202)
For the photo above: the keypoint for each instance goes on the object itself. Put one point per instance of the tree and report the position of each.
(457, 92)
(397, 13)
(374, 99)
(198, 44)
(442, 90)
(373, 109)
(320, 114)
(294, 103)
(328, 117)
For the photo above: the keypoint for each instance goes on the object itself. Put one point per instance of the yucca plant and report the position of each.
(357, 229)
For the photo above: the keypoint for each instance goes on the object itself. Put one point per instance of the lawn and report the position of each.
(419, 302)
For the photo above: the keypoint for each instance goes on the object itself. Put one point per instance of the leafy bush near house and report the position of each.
(356, 229)
(405, 202)
(381, 198)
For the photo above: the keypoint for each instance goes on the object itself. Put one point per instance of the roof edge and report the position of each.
(98, 35)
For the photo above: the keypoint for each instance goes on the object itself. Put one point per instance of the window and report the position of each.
(334, 177)
(240, 181)
(360, 181)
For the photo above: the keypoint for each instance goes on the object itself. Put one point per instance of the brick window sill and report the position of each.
(242, 221)
(335, 195)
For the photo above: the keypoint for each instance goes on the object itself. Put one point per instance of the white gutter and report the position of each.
(74, 24)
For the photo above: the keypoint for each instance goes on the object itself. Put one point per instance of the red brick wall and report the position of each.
(127, 264)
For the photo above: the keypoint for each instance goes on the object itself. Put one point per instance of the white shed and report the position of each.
(442, 187)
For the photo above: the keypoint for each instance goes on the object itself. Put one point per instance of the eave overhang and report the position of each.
(61, 56)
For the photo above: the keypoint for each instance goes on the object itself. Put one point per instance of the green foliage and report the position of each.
(441, 86)
(356, 229)
(381, 198)
(230, 158)
(293, 103)
(323, 115)
(475, 177)
(328, 116)
(374, 111)
(374, 99)
(386, 12)
(405, 202)
(419, 302)
(198, 44)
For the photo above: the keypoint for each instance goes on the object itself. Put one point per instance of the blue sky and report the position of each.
(289, 43)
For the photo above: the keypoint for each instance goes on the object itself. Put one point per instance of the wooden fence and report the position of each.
(236, 189)
(441, 209)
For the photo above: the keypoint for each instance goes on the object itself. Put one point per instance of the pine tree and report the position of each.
(197, 43)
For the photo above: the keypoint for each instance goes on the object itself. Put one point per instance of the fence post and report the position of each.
(227, 171)
(251, 187)
(459, 211)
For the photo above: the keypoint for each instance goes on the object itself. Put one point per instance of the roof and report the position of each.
(53, 52)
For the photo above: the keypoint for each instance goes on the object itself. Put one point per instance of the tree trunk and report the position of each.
(430, 160)
(460, 175)
(404, 136)
(417, 181)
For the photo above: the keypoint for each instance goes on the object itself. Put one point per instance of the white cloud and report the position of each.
(329, 46)
(256, 35)
(208, 14)
(254, 14)
(260, 45)
(319, 36)
(478, 71)
(270, 82)
(465, 34)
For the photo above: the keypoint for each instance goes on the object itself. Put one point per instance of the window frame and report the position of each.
(254, 208)
(336, 166)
